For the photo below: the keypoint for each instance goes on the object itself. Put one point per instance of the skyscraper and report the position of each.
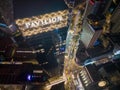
(90, 34)
(43, 26)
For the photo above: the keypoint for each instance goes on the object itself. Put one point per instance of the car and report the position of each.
(92, 2)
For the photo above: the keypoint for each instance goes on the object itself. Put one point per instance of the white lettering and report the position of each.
(37, 23)
(27, 25)
(60, 18)
(45, 21)
(33, 24)
(42, 22)
(50, 21)
(54, 19)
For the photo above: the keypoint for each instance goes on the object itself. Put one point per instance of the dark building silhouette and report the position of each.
(22, 74)
(48, 38)
(101, 77)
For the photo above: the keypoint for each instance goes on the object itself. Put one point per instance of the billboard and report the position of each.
(42, 23)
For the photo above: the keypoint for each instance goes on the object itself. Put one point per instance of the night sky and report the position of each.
(28, 8)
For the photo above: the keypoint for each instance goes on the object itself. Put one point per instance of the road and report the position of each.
(72, 42)
(54, 82)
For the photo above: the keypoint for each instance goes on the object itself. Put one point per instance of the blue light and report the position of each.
(89, 61)
(111, 10)
(97, 43)
(29, 77)
(56, 31)
(3, 25)
(62, 49)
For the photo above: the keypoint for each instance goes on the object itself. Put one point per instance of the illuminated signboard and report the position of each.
(42, 23)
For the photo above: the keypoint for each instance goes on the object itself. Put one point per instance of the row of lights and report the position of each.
(20, 22)
(85, 78)
(41, 30)
(45, 28)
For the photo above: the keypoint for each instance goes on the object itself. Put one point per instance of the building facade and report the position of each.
(90, 34)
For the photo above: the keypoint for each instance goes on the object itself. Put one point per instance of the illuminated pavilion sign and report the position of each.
(42, 23)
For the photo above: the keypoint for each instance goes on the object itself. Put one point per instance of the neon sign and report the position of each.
(42, 23)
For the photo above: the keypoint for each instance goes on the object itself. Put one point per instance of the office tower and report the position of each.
(43, 26)
(6, 10)
(113, 8)
(100, 77)
(115, 20)
(90, 34)
(22, 74)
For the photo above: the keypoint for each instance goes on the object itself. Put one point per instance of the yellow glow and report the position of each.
(102, 83)
(42, 23)
(96, 23)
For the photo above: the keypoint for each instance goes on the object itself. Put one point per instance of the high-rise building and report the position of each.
(100, 77)
(113, 8)
(90, 34)
(21, 74)
(115, 28)
(43, 26)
